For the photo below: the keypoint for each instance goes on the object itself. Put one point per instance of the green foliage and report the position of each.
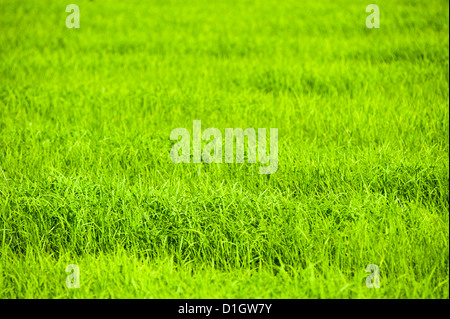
(363, 175)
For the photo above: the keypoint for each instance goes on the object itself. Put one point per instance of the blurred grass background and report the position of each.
(363, 176)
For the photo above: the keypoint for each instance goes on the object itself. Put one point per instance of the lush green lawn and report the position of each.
(363, 174)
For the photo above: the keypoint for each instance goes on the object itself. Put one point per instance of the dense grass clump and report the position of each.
(86, 177)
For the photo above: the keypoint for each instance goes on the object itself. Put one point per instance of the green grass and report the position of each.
(363, 175)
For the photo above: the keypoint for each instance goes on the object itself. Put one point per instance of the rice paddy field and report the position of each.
(87, 179)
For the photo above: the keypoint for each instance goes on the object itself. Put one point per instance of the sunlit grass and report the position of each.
(363, 174)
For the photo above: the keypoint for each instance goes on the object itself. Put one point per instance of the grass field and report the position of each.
(363, 170)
